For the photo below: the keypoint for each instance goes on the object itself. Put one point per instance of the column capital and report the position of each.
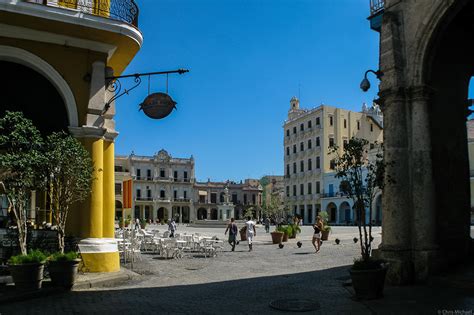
(88, 132)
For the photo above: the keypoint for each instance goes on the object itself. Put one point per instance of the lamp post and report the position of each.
(365, 84)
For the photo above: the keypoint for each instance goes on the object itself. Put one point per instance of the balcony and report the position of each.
(144, 199)
(376, 13)
(186, 200)
(121, 10)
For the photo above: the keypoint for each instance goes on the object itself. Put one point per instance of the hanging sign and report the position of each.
(158, 105)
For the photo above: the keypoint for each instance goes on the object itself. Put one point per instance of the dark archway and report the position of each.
(118, 210)
(25, 90)
(213, 214)
(185, 213)
(161, 214)
(331, 209)
(450, 66)
(202, 214)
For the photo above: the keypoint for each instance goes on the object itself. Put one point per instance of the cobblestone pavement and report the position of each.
(239, 282)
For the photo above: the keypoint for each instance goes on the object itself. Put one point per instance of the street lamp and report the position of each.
(365, 84)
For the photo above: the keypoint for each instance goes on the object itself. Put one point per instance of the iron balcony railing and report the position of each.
(122, 10)
(376, 6)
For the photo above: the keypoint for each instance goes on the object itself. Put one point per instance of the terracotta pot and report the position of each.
(63, 273)
(277, 237)
(27, 277)
(243, 235)
(285, 237)
(368, 284)
(324, 235)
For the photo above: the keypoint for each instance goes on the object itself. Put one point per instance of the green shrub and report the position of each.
(34, 256)
(64, 257)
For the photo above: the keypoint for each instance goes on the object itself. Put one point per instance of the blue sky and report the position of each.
(246, 58)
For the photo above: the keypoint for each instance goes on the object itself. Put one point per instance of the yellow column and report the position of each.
(94, 223)
(109, 191)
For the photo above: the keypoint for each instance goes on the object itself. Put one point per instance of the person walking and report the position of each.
(172, 227)
(267, 224)
(251, 232)
(232, 228)
(318, 226)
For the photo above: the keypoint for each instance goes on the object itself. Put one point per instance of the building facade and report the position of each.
(162, 186)
(65, 50)
(309, 135)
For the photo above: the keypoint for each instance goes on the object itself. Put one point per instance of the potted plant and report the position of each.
(20, 161)
(277, 236)
(326, 228)
(362, 178)
(285, 229)
(143, 224)
(295, 229)
(243, 233)
(27, 270)
(63, 269)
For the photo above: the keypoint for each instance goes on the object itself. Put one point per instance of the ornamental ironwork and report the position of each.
(122, 10)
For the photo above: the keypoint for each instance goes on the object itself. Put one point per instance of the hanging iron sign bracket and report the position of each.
(114, 85)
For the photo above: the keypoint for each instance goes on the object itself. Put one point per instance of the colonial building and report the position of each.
(55, 57)
(309, 135)
(162, 186)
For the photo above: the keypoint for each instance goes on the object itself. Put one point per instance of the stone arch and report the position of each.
(26, 58)
(331, 209)
(345, 210)
(161, 214)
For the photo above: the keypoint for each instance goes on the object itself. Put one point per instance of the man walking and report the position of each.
(172, 227)
(267, 224)
(251, 232)
(232, 228)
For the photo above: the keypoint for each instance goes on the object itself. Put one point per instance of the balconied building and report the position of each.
(308, 136)
(162, 186)
(210, 195)
(55, 57)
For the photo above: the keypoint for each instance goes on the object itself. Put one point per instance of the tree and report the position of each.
(67, 177)
(20, 161)
(362, 179)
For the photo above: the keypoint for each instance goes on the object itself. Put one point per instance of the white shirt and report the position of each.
(250, 224)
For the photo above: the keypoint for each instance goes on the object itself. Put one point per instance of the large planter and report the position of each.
(243, 235)
(285, 237)
(277, 237)
(324, 235)
(27, 277)
(368, 284)
(63, 273)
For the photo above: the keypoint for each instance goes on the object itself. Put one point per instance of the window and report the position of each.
(358, 125)
(332, 164)
(371, 127)
(318, 162)
(294, 148)
(234, 199)
(318, 122)
(310, 189)
(301, 166)
(185, 174)
(162, 172)
(331, 142)
(310, 165)
(309, 144)
(345, 123)
(245, 199)
(318, 187)
(331, 122)
(302, 146)
(301, 189)
(254, 199)
(294, 130)
(294, 168)
(185, 194)
(175, 194)
(287, 150)
(148, 174)
(213, 197)
(317, 142)
(344, 143)
(139, 173)
(148, 193)
(162, 194)
(310, 124)
(294, 190)
(175, 175)
(288, 191)
(288, 169)
(139, 193)
(118, 188)
(287, 132)
(302, 127)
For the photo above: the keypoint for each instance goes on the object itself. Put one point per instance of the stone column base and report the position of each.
(100, 254)
(401, 268)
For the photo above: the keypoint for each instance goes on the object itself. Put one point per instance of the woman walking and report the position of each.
(318, 226)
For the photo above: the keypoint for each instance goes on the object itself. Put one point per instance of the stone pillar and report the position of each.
(95, 221)
(396, 228)
(424, 209)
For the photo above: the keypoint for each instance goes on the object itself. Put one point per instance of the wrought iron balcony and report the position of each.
(376, 13)
(376, 6)
(122, 10)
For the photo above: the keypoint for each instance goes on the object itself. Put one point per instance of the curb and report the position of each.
(107, 280)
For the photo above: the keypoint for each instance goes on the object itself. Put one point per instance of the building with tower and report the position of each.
(308, 136)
